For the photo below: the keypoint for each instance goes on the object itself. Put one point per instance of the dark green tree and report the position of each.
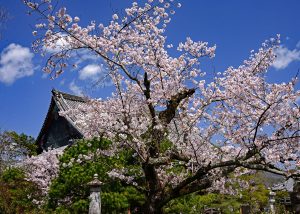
(69, 191)
(17, 195)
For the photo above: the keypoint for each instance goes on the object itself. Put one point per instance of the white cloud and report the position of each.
(92, 72)
(285, 57)
(15, 63)
(75, 88)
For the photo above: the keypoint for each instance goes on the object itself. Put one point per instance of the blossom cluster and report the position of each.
(42, 169)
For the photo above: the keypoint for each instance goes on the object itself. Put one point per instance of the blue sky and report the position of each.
(235, 26)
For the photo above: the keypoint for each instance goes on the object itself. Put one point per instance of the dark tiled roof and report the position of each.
(69, 97)
(64, 102)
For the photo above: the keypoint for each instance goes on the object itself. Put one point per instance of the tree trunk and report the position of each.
(152, 206)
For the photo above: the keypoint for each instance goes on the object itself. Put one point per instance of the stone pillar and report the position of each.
(95, 196)
(272, 201)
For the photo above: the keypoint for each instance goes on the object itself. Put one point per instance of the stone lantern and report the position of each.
(95, 196)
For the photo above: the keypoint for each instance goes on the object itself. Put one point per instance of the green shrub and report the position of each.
(69, 191)
(16, 194)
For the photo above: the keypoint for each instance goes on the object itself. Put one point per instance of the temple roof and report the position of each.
(64, 102)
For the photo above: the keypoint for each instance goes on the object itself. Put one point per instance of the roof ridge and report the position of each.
(57, 93)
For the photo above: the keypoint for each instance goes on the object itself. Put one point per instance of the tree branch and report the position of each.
(167, 115)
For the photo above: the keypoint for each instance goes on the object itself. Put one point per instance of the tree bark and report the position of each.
(152, 205)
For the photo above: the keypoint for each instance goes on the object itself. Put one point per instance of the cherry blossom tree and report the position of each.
(42, 169)
(187, 134)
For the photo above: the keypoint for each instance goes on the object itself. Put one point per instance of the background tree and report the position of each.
(14, 148)
(17, 194)
(256, 195)
(187, 134)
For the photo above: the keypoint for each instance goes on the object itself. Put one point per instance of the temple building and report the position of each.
(59, 130)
